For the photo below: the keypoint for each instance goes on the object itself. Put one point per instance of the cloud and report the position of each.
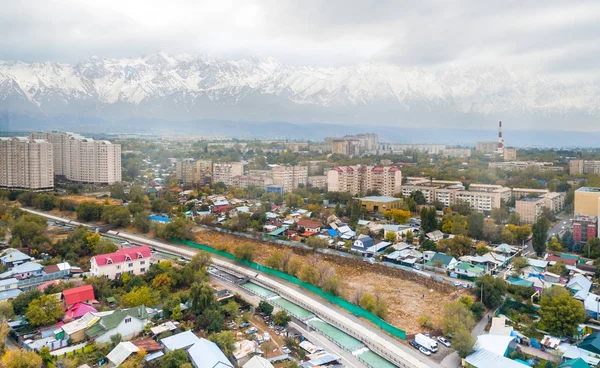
(551, 37)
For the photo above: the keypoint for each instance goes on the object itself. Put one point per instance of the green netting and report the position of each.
(354, 309)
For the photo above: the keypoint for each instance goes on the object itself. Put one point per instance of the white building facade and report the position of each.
(26, 163)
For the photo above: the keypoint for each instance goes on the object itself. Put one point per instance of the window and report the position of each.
(118, 267)
(131, 265)
(142, 270)
(127, 320)
(142, 262)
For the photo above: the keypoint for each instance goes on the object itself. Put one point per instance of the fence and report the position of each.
(38, 280)
(354, 309)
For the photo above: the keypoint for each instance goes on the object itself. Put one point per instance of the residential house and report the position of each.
(399, 230)
(552, 277)
(505, 249)
(80, 294)
(574, 363)
(362, 244)
(134, 260)
(486, 359)
(378, 247)
(346, 233)
(499, 327)
(9, 289)
(435, 235)
(468, 271)
(591, 343)
(24, 271)
(405, 257)
(441, 260)
(573, 352)
(78, 310)
(519, 282)
(258, 362)
(592, 305)
(75, 330)
(121, 352)
(310, 226)
(13, 257)
(126, 322)
(580, 286)
(202, 353)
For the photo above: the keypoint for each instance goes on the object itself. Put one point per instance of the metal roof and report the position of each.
(487, 359)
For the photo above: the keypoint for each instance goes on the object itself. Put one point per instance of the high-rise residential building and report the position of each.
(346, 146)
(318, 181)
(432, 149)
(587, 201)
(486, 147)
(578, 167)
(584, 228)
(245, 181)
(290, 177)
(193, 171)
(224, 172)
(510, 154)
(26, 163)
(530, 209)
(457, 152)
(524, 165)
(362, 179)
(82, 159)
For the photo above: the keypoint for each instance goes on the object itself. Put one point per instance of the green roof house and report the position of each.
(467, 270)
(127, 322)
(574, 363)
(441, 260)
(591, 343)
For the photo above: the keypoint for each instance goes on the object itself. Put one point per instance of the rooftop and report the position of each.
(589, 189)
(381, 199)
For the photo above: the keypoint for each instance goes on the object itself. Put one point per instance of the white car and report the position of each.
(444, 341)
(424, 351)
(286, 350)
(457, 284)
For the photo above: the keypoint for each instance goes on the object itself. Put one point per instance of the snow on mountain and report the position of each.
(187, 87)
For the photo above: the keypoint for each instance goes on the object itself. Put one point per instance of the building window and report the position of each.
(131, 265)
(142, 262)
(118, 267)
(142, 270)
(127, 320)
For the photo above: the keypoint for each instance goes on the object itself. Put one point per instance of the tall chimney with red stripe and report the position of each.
(500, 139)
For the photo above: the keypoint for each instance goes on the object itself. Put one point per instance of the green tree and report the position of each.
(309, 274)
(540, 234)
(317, 243)
(225, 340)
(22, 301)
(28, 230)
(429, 219)
(180, 228)
(514, 219)
(265, 307)
(491, 289)
(368, 302)
(274, 261)
(519, 263)
(202, 296)
(89, 211)
(117, 191)
(142, 222)
(44, 310)
(244, 252)
(567, 241)
(560, 314)
(174, 359)
(115, 340)
(140, 296)
(211, 320)
(456, 316)
(281, 318)
(463, 342)
(559, 268)
(476, 221)
(418, 197)
(554, 244)
(176, 314)
(231, 308)
(478, 308)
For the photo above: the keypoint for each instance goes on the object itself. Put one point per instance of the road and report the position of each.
(371, 336)
(557, 229)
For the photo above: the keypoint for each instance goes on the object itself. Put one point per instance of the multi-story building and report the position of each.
(554, 201)
(584, 228)
(290, 176)
(483, 197)
(346, 146)
(361, 179)
(134, 261)
(82, 159)
(519, 193)
(275, 189)
(318, 181)
(577, 167)
(26, 163)
(457, 152)
(245, 181)
(224, 172)
(432, 149)
(530, 208)
(587, 201)
(524, 165)
(193, 171)
(486, 147)
(510, 154)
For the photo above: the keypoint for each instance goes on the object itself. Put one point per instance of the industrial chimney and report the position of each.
(500, 139)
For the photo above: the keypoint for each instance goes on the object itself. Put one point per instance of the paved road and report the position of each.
(555, 229)
(375, 339)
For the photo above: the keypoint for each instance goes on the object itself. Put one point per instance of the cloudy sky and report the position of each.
(549, 37)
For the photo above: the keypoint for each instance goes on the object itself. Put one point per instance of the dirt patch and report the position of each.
(408, 295)
(81, 198)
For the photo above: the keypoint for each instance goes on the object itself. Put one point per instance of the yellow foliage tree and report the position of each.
(21, 359)
(398, 215)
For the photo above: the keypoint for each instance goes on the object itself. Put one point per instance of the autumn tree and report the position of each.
(20, 358)
(309, 274)
(399, 216)
(140, 296)
(44, 310)
(491, 289)
(244, 252)
(560, 314)
(225, 340)
(281, 318)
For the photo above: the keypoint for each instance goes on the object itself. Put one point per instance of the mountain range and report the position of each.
(179, 89)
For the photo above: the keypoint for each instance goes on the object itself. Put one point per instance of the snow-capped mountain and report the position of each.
(183, 87)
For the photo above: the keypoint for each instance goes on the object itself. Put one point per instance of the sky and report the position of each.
(554, 38)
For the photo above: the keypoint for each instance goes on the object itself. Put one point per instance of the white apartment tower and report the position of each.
(193, 171)
(82, 159)
(26, 164)
(290, 177)
(224, 172)
(361, 179)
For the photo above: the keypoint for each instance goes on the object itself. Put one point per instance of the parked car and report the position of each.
(424, 351)
(457, 284)
(245, 324)
(286, 350)
(415, 345)
(444, 341)
(251, 330)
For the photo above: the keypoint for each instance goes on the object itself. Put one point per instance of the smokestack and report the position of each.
(500, 139)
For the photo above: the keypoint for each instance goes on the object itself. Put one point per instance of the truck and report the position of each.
(426, 342)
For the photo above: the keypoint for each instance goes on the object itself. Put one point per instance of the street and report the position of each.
(564, 220)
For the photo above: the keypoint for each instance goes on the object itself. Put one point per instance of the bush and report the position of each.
(425, 321)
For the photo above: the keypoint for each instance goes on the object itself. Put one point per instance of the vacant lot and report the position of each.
(81, 198)
(407, 296)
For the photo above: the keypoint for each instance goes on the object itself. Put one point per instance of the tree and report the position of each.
(265, 307)
(274, 261)
(44, 310)
(317, 243)
(21, 302)
(514, 218)
(463, 342)
(475, 221)
(117, 191)
(202, 296)
(244, 252)
(478, 308)
(309, 274)
(418, 197)
(491, 290)
(115, 340)
(568, 241)
(89, 211)
(180, 228)
(174, 359)
(142, 222)
(4, 330)
(429, 219)
(425, 321)
(27, 230)
(176, 314)
(554, 244)
(519, 263)
(367, 301)
(162, 282)
(500, 215)
(140, 296)
(398, 215)
(391, 236)
(231, 308)
(559, 268)
(225, 340)
(560, 314)
(211, 320)
(281, 318)
(21, 359)
(46, 356)
(456, 316)
(540, 234)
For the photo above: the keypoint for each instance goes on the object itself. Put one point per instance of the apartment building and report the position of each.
(519, 193)
(346, 146)
(524, 165)
(433, 149)
(457, 152)
(554, 201)
(290, 177)
(189, 170)
(361, 179)
(510, 154)
(578, 167)
(584, 228)
(587, 201)
(224, 172)
(530, 208)
(26, 163)
(245, 181)
(486, 147)
(318, 181)
(135, 261)
(82, 159)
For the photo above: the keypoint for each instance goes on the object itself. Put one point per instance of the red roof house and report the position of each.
(309, 225)
(135, 261)
(80, 294)
(78, 310)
